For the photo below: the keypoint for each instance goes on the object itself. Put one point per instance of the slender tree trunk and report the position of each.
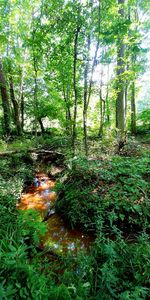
(5, 102)
(34, 57)
(107, 106)
(22, 104)
(75, 87)
(88, 90)
(35, 94)
(120, 110)
(107, 99)
(100, 134)
(126, 99)
(133, 106)
(15, 106)
(41, 125)
(68, 112)
(85, 95)
(133, 109)
(120, 113)
(68, 107)
(95, 57)
(127, 68)
(102, 117)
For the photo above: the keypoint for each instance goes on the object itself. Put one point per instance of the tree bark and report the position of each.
(95, 57)
(15, 106)
(133, 106)
(22, 107)
(68, 112)
(5, 101)
(126, 99)
(85, 95)
(34, 57)
(127, 69)
(120, 109)
(35, 94)
(41, 125)
(107, 99)
(75, 87)
(101, 107)
(88, 90)
(133, 110)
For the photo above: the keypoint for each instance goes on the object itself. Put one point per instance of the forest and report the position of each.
(74, 149)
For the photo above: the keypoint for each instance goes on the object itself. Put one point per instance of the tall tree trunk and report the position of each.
(68, 112)
(102, 116)
(101, 106)
(69, 116)
(120, 109)
(107, 99)
(100, 134)
(22, 105)
(95, 57)
(85, 95)
(127, 69)
(15, 106)
(41, 125)
(75, 87)
(126, 99)
(133, 109)
(5, 101)
(88, 90)
(133, 106)
(34, 57)
(35, 94)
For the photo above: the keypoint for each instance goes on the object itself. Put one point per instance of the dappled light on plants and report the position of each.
(74, 109)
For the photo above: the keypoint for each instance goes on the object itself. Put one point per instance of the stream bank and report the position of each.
(41, 196)
(115, 193)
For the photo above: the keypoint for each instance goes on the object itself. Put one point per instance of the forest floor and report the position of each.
(106, 195)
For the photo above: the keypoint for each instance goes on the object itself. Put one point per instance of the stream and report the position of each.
(59, 238)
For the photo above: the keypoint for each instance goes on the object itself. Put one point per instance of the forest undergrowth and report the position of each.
(106, 195)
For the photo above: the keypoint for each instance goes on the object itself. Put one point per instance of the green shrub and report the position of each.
(107, 192)
(122, 269)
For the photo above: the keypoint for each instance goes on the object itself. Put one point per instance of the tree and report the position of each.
(75, 86)
(120, 107)
(15, 106)
(89, 73)
(56, 49)
(5, 101)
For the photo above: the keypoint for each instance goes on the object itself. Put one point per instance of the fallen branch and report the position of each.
(34, 150)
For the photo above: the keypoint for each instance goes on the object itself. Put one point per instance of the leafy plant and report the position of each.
(109, 191)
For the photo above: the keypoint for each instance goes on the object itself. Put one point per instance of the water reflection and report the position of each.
(65, 239)
(59, 237)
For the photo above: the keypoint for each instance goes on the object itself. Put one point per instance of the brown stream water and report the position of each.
(58, 238)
